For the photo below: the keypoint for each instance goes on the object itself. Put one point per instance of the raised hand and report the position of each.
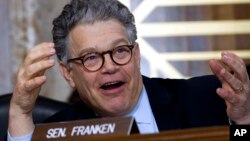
(29, 80)
(232, 73)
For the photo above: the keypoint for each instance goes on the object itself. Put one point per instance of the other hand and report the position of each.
(235, 90)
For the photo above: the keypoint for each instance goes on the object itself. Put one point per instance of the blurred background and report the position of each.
(176, 37)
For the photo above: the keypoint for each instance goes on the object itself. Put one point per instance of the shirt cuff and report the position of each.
(26, 137)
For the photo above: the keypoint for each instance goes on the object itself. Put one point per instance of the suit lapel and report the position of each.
(164, 104)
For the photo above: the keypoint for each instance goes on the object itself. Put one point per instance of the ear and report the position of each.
(66, 73)
(137, 54)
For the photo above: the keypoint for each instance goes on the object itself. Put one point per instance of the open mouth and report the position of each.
(112, 85)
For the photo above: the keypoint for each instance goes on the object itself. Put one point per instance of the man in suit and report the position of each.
(95, 41)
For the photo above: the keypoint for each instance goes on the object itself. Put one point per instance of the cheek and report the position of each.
(133, 73)
(87, 90)
(85, 83)
(135, 69)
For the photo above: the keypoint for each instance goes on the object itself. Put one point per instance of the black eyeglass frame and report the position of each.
(110, 52)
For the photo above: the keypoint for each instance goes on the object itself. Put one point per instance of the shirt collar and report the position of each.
(142, 110)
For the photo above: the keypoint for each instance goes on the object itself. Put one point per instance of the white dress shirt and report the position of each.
(143, 115)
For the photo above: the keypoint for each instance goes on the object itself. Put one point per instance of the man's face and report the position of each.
(114, 89)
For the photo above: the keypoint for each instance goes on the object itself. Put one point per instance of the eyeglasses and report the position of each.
(94, 61)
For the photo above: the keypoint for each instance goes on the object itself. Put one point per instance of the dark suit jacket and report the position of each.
(176, 103)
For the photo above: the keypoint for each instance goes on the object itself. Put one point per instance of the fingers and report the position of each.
(33, 78)
(228, 96)
(37, 60)
(230, 83)
(232, 63)
(236, 64)
(235, 86)
(216, 67)
(39, 52)
(38, 68)
(31, 74)
(35, 83)
(30, 78)
(239, 79)
(231, 80)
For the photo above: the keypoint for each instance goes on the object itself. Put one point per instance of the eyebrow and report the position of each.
(93, 49)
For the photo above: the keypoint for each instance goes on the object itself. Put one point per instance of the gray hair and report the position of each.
(89, 12)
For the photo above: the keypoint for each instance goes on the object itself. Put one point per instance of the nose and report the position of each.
(109, 66)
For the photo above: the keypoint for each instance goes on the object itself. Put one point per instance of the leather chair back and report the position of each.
(44, 108)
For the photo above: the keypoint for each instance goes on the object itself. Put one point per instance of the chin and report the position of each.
(117, 110)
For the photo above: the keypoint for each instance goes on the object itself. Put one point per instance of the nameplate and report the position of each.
(71, 130)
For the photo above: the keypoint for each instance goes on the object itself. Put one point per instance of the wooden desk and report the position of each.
(216, 133)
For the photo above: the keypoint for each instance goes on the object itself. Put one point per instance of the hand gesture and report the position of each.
(29, 80)
(235, 86)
